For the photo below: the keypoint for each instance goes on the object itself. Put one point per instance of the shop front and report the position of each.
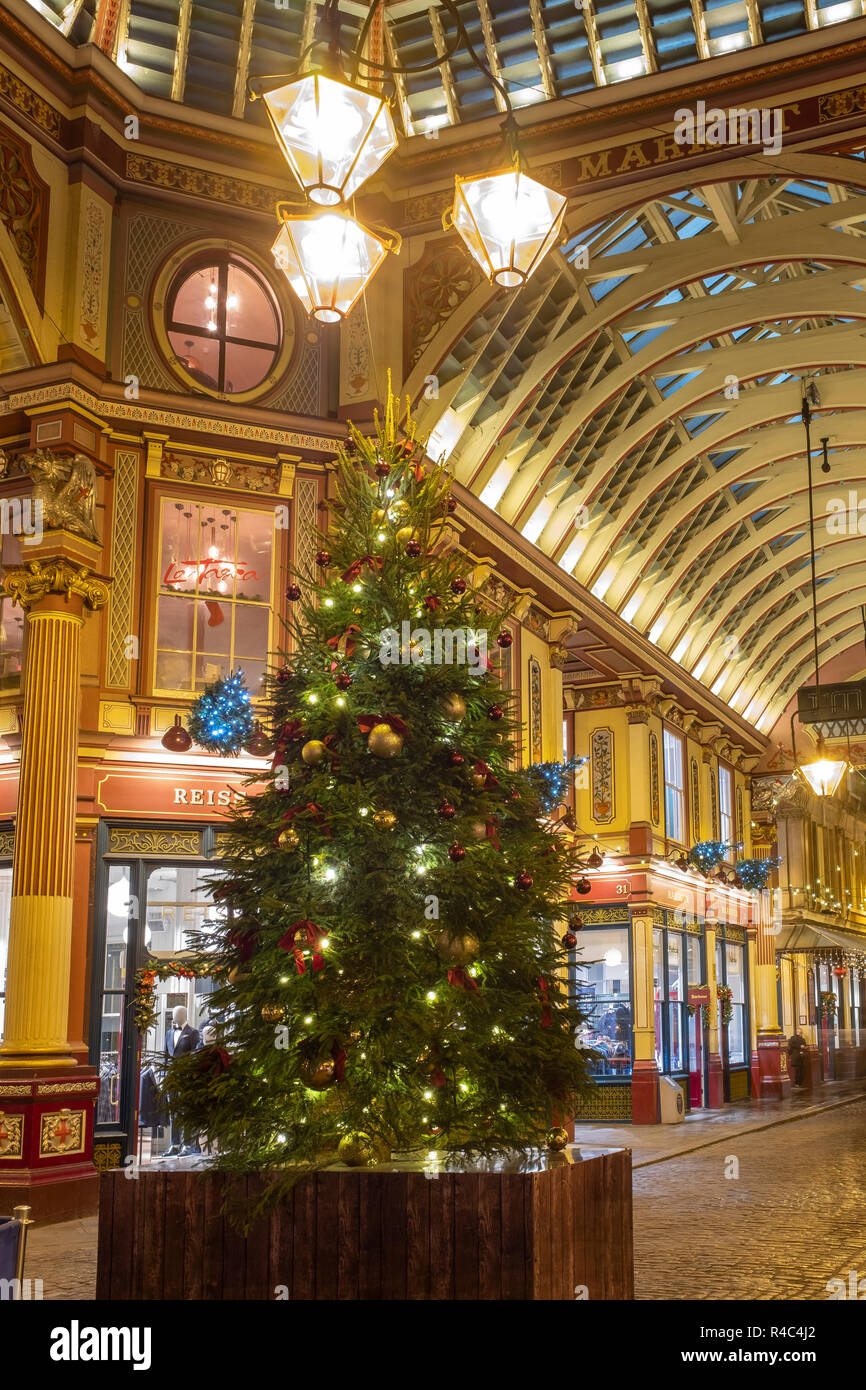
(661, 969)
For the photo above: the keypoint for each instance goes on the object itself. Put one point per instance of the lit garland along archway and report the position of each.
(636, 414)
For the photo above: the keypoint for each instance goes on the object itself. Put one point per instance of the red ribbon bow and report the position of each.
(545, 1006)
(366, 722)
(313, 936)
(432, 601)
(244, 942)
(489, 780)
(373, 562)
(315, 813)
(348, 640)
(289, 731)
(214, 1060)
(458, 976)
(491, 832)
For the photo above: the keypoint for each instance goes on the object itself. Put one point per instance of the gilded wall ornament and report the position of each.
(11, 1135)
(601, 774)
(29, 583)
(66, 489)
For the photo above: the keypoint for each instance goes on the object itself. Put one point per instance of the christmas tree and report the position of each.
(394, 946)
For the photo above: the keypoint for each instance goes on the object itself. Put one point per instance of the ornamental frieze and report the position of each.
(23, 204)
(187, 468)
(199, 183)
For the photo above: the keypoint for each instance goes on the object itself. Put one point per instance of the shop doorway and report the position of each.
(147, 909)
(696, 1060)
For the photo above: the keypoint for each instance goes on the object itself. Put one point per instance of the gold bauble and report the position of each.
(386, 820)
(478, 829)
(405, 535)
(557, 1139)
(273, 1013)
(356, 1150)
(458, 949)
(379, 516)
(453, 707)
(288, 838)
(318, 1075)
(313, 752)
(397, 510)
(384, 741)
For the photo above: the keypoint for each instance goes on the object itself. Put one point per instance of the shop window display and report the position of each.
(215, 592)
(670, 996)
(601, 981)
(149, 911)
(730, 970)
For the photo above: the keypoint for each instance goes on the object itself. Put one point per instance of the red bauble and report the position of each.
(343, 680)
(383, 468)
(293, 593)
(323, 558)
(458, 586)
(569, 940)
(504, 640)
(523, 880)
(583, 886)
(457, 852)
(455, 758)
(413, 549)
(432, 602)
(447, 811)
(514, 794)
(452, 504)
(575, 923)
(283, 676)
(595, 860)
(495, 712)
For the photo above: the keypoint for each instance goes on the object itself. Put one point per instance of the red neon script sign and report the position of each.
(220, 571)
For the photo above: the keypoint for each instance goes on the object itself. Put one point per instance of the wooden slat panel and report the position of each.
(175, 1244)
(539, 1187)
(578, 1234)
(418, 1235)
(557, 1181)
(627, 1232)
(304, 1240)
(490, 1237)
(257, 1283)
(513, 1239)
(595, 1237)
(394, 1236)
(349, 1202)
(138, 1234)
(195, 1217)
(280, 1239)
(327, 1234)
(234, 1247)
(466, 1197)
(212, 1245)
(442, 1236)
(105, 1236)
(372, 1189)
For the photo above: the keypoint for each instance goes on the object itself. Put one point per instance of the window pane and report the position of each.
(200, 357)
(249, 311)
(173, 671)
(255, 545)
(209, 669)
(676, 983)
(196, 300)
(213, 627)
(658, 996)
(246, 366)
(604, 990)
(676, 1029)
(120, 911)
(110, 1044)
(736, 1036)
(734, 958)
(251, 631)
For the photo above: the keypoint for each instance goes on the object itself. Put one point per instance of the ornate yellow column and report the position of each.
(645, 1073)
(53, 593)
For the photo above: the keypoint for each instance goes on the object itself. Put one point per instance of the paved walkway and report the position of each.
(790, 1221)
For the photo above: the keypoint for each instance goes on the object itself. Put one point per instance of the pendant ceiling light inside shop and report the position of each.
(333, 135)
(328, 258)
(508, 221)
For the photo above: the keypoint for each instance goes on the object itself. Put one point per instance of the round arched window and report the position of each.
(223, 323)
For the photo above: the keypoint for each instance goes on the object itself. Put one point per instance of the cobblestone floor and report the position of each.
(793, 1219)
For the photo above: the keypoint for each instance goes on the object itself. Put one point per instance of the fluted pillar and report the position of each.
(54, 594)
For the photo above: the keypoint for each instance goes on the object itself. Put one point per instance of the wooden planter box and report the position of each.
(374, 1234)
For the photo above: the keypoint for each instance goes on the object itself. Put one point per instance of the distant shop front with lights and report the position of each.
(662, 969)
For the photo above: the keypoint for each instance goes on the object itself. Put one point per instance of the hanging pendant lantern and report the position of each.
(824, 774)
(508, 222)
(328, 259)
(176, 738)
(333, 135)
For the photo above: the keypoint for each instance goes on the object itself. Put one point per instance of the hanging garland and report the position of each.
(725, 996)
(828, 1004)
(221, 719)
(755, 873)
(144, 1012)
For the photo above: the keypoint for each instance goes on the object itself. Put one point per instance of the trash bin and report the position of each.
(673, 1108)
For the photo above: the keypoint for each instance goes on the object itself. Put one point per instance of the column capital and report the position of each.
(28, 584)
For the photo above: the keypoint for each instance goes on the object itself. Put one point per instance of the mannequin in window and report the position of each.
(180, 1039)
